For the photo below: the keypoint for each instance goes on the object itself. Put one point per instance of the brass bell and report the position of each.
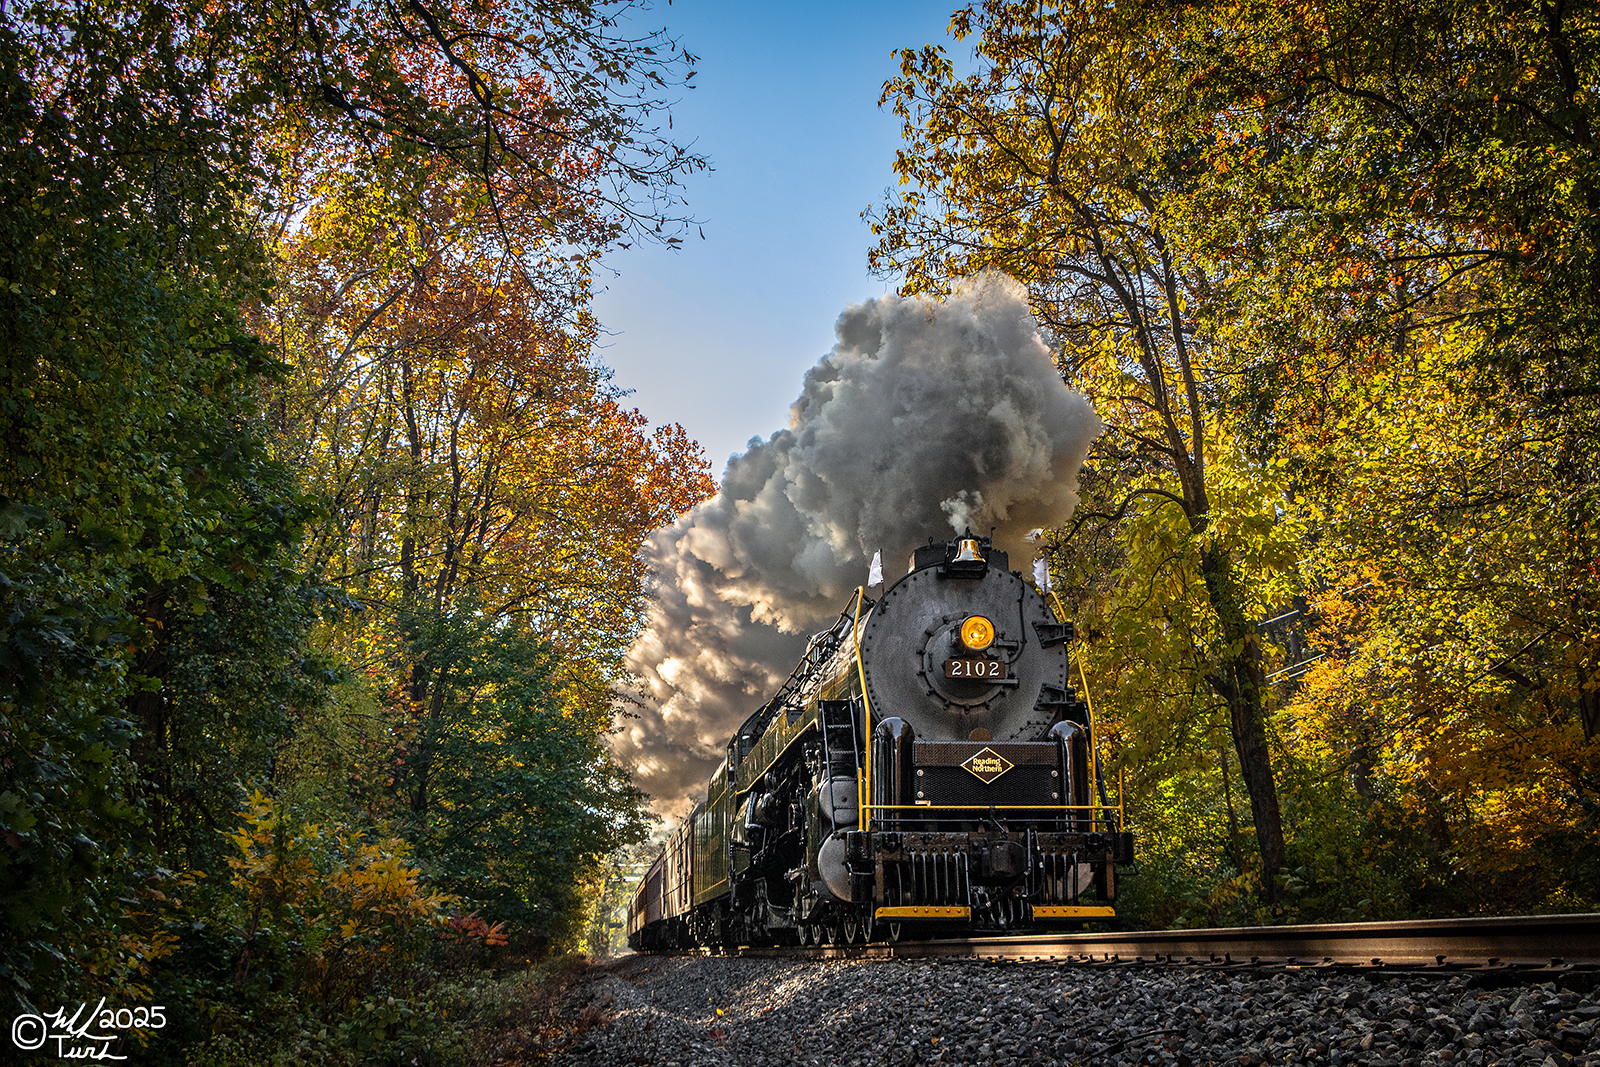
(969, 552)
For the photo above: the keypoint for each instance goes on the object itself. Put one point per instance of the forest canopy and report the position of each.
(1331, 273)
(319, 517)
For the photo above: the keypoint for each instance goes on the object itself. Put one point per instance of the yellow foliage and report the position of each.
(114, 957)
(358, 904)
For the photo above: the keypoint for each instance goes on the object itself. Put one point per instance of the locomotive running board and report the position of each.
(924, 912)
(1052, 911)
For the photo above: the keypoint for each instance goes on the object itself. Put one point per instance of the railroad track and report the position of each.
(1548, 943)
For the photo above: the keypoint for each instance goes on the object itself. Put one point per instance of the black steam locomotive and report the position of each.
(926, 768)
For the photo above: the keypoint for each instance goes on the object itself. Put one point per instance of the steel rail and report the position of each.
(1505, 942)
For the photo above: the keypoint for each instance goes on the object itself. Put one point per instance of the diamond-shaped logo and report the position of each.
(986, 765)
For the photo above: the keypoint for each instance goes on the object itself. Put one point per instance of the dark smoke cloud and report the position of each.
(926, 417)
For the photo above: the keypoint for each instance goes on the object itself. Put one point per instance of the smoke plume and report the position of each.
(926, 418)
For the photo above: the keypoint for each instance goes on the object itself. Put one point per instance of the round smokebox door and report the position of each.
(956, 672)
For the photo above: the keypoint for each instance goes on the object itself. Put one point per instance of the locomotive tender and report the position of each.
(925, 768)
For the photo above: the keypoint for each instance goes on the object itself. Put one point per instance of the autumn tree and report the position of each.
(152, 642)
(1447, 147)
(447, 408)
(162, 164)
(1451, 686)
(1062, 160)
(485, 488)
(1405, 197)
(1429, 172)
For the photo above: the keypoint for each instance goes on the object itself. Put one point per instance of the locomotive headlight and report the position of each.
(977, 633)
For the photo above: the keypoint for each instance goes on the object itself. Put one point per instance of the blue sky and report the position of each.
(717, 335)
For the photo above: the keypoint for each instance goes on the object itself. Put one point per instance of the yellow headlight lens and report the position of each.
(977, 633)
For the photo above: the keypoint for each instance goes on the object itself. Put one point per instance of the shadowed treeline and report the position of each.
(319, 520)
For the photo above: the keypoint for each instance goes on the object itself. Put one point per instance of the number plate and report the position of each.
(977, 669)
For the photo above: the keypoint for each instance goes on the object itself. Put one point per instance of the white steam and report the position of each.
(926, 417)
(962, 509)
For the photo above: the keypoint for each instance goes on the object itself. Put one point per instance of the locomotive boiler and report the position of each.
(926, 768)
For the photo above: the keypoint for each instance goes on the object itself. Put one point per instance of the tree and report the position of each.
(152, 156)
(1449, 147)
(137, 494)
(1454, 679)
(485, 488)
(524, 800)
(446, 409)
(1403, 199)
(1063, 160)
(1427, 174)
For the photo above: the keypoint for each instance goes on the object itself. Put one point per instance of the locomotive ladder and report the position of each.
(839, 735)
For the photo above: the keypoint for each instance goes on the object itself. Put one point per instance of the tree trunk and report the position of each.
(420, 762)
(1235, 850)
(1240, 682)
(147, 708)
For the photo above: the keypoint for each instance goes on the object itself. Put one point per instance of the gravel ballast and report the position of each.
(687, 1011)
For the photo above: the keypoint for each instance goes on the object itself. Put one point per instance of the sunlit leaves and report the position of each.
(355, 907)
(479, 473)
(1066, 159)
(1328, 270)
(1459, 630)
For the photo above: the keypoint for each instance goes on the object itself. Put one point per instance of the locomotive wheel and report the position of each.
(852, 928)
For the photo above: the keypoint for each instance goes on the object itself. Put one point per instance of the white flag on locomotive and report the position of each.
(1041, 575)
(875, 572)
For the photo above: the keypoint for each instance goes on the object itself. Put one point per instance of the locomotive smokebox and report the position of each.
(962, 648)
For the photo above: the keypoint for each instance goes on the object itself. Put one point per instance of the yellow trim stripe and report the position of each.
(709, 892)
(925, 912)
(1041, 911)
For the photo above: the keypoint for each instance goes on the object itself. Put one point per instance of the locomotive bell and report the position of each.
(969, 551)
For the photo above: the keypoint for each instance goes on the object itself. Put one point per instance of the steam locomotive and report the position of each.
(926, 768)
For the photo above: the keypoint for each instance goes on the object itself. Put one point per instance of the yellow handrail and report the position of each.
(982, 807)
(864, 774)
(1094, 734)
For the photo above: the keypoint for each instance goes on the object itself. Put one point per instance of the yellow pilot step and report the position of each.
(925, 911)
(1073, 911)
